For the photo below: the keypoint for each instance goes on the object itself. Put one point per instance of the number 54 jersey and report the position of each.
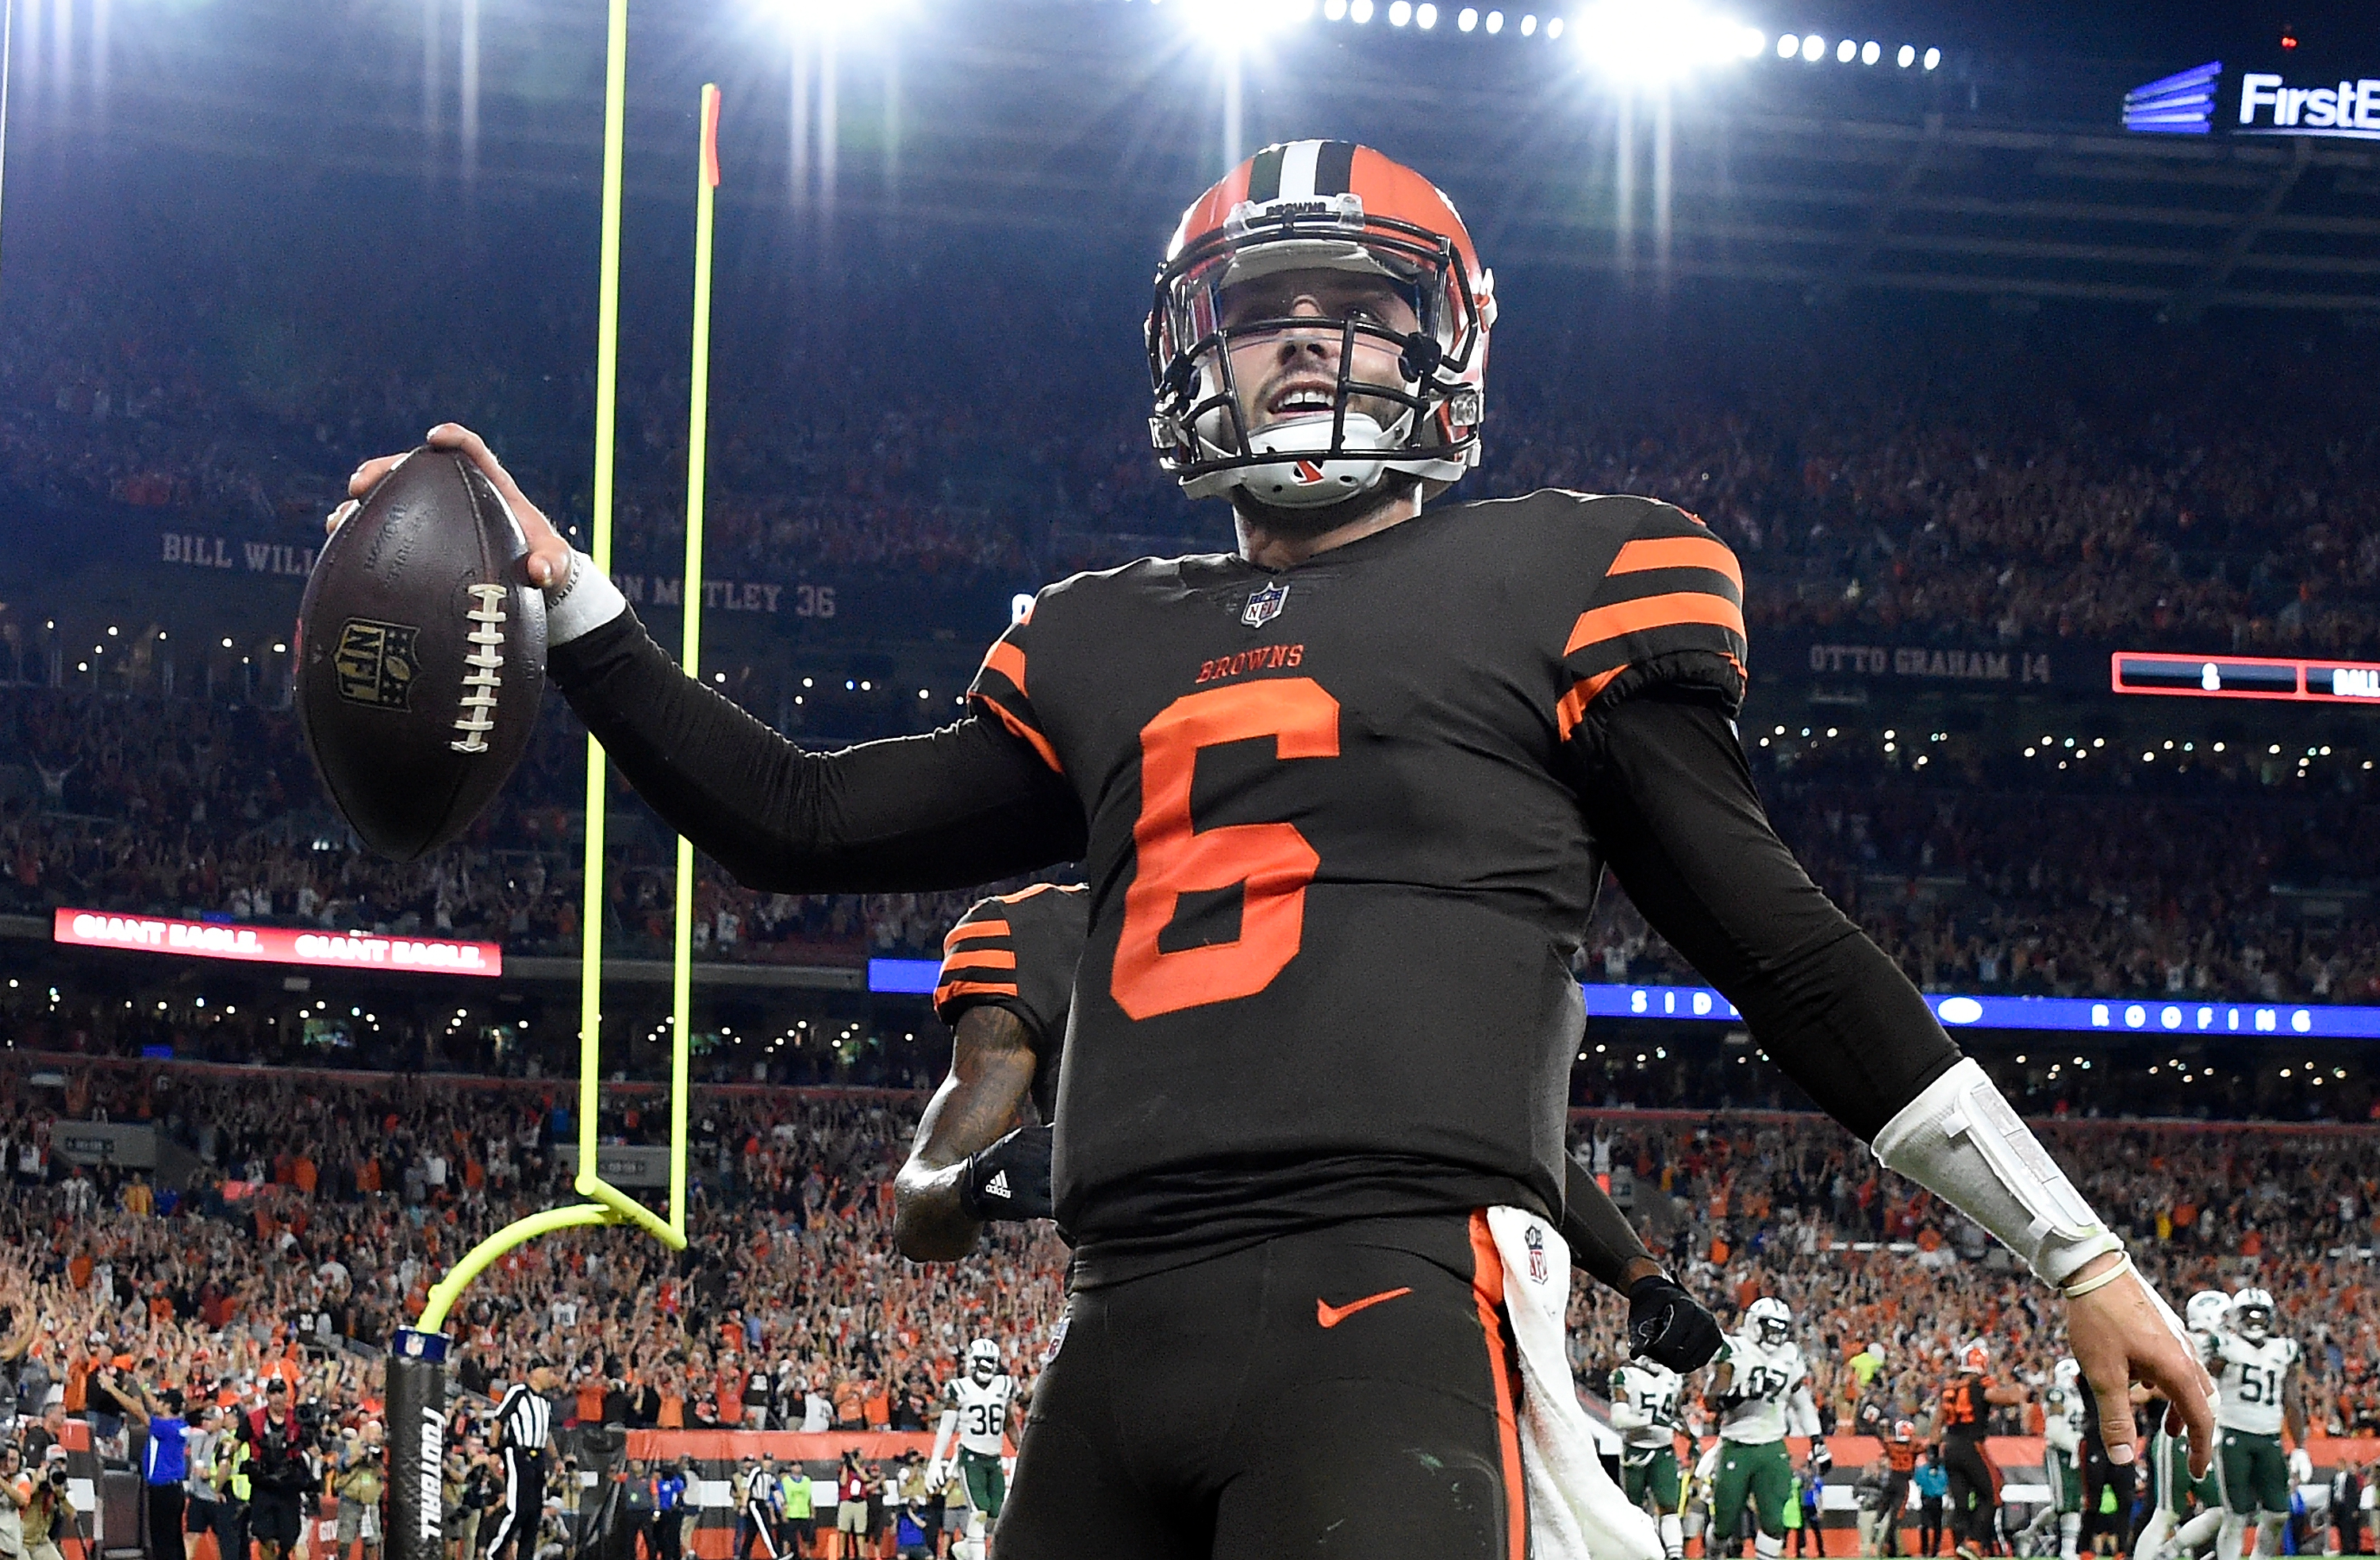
(1337, 857)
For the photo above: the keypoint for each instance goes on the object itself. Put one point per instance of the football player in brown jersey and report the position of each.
(1342, 798)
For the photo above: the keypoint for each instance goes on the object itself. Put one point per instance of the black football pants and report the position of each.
(1974, 1490)
(1342, 1392)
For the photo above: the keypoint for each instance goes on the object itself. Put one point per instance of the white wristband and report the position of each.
(1960, 1141)
(585, 600)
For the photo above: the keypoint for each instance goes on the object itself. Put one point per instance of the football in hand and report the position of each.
(420, 655)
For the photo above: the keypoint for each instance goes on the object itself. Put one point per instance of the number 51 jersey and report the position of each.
(1337, 858)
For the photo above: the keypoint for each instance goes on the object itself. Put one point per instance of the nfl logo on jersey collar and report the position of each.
(1266, 604)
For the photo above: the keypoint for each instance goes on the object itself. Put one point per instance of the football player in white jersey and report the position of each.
(1646, 1410)
(2256, 1383)
(1696, 1520)
(981, 1400)
(1761, 1392)
(2173, 1526)
(2064, 1413)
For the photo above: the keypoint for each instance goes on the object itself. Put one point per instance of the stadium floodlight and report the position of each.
(1788, 45)
(1906, 57)
(1933, 58)
(1529, 26)
(1425, 15)
(1494, 24)
(1813, 47)
(1870, 51)
(842, 18)
(1399, 12)
(1844, 51)
(1359, 11)
(1465, 20)
(1228, 23)
(1335, 10)
(1648, 43)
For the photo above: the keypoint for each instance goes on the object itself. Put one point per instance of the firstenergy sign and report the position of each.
(2194, 103)
(2269, 106)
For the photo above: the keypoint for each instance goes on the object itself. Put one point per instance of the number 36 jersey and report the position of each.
(1337, 860)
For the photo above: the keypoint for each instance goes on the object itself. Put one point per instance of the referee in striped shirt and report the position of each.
(524, 1430)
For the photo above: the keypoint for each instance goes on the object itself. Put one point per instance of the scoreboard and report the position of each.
(2245, 677)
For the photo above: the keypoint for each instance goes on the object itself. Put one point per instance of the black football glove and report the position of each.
(1010, 1179)
(1668, 1326)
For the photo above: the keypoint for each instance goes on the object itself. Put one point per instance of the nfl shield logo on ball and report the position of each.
(374, 663)
(1535, 1240)
(1266, 604)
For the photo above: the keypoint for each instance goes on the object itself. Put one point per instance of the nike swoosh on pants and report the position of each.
(1329, 1315)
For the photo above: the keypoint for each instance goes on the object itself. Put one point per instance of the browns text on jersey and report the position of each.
(1334, 897)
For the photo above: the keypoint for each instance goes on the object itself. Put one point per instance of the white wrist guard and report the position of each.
(586, 600)
(1961, 1141)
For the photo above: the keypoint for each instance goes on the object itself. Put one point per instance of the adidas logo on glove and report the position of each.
(997, 1186)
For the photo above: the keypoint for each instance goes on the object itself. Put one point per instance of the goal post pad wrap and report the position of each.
(416, 1445)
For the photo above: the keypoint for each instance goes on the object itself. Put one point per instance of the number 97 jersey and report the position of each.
(1339, 857)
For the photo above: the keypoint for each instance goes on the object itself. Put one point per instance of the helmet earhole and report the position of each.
(1421, 356)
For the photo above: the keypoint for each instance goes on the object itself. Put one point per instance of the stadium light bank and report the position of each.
(1649, 41)
(842, 19)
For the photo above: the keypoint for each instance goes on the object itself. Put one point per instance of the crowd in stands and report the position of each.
(318, 1209)
(1984, 872)
(1789, 1205)
(1926, 476)
(183, 808)
(2231, 876)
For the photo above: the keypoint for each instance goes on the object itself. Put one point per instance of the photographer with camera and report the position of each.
(16, 1494)
(202, 1491)
(44, 1510)
(359, 1478)
(280, 1472)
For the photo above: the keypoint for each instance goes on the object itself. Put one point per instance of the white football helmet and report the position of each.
(2252, 1314)
(2207, 1311)
(1772, 1321)
(983, 1359)
(2067, 1373)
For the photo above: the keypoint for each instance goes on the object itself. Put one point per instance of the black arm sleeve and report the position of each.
(1669, 796)
(1600, 1238)
(960, 806)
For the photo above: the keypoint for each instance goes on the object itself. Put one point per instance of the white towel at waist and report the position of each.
(1576, 1511)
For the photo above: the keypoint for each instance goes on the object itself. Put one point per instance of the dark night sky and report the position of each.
(2107, 28)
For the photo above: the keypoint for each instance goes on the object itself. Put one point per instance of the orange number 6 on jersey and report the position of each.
(1271, 862)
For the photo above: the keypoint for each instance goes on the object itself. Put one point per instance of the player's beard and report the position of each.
(1305, 525)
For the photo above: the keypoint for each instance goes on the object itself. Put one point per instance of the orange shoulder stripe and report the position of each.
(1573, 708)
(981, 958)
(1678, 552)
(1671, 610)
(1008, 661)
(1041, 744)
(966, 930)
(950, 989)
